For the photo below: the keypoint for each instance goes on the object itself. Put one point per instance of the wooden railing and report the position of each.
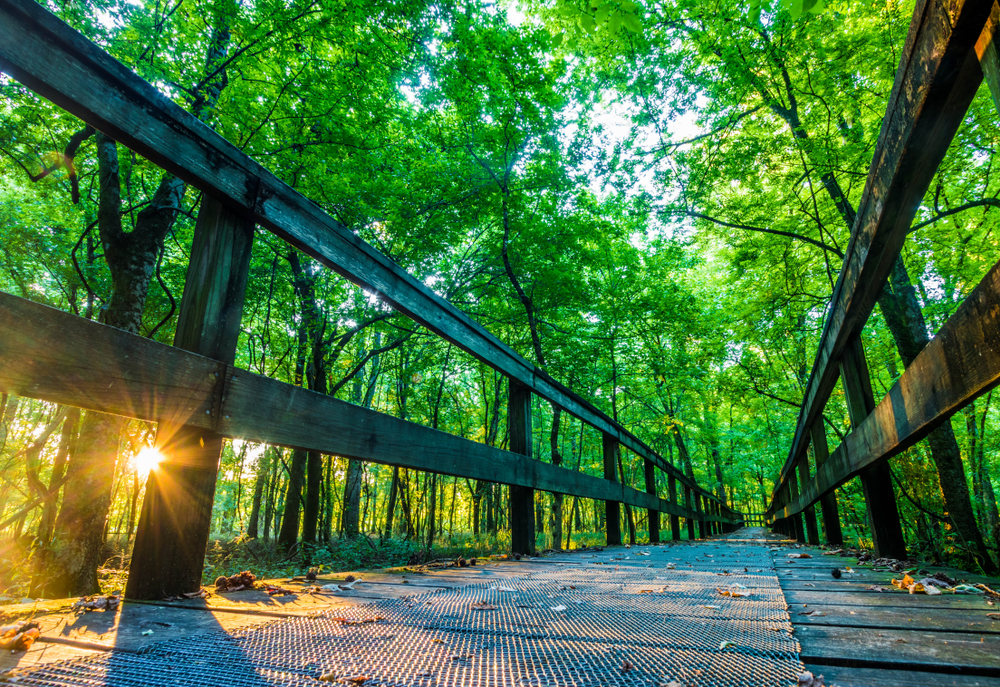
(193, 387)
(949, 47)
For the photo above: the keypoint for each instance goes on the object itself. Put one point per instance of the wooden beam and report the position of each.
(828, 502)
(58, 357)
(521, 498)
(938, 76)
(675, 522)
(959, 364)
(812, 531)
(612, 510)
(48, 56)
(652, 515)
(176, 518)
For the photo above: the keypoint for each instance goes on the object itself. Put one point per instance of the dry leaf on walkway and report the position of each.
(733, 593)
(995, 616)
(799, 555)
(482, 606)
(807, 679)
(725, 645)
(813, 614)
(627, 667)
(559, 609)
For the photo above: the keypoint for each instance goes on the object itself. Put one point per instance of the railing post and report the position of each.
(612, 518)
(521, 499)
(675, 521)
(652, 513)
(793, 493)
(883, 515)
(689, 504)
(702, 534)
(812, 535)
(169, 553)
(828, 503)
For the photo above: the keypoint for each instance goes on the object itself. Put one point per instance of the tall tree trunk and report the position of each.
(263, 469)
(390, 509)
(289, 532)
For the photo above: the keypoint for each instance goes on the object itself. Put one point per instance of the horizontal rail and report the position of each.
(959, 364)
(48, 56)
(938, 76)
(58, 357)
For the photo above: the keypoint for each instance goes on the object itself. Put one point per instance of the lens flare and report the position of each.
(147, 460)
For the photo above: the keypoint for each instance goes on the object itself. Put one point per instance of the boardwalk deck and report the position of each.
(645, 615)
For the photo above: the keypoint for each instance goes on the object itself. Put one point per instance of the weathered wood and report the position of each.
(54, 356)
(176, 517)
(689, 518)
(874, 677)
(653, 516)
(876, 481)
(792, 488)
(959, 364)
(675, 522)
(522, 498)
(898, 618)
(809, 515)
(58, 357)
(612, 511)
(48, 56)
(989, 55)
(902, 649)
(828, 502)
(938, 76)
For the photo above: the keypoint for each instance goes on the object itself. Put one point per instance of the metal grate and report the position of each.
(631, 621)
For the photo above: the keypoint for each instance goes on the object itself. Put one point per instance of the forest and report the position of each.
(651, 201)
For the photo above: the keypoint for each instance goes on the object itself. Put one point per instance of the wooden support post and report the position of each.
(792, 487)
(883, 516)
(169, 552)
(652, 514)
(675, 521)
(702, 534)
(612, 515)
(828, 503)
(989, 55)
(688, 503)
(812, 534)
(522, 499)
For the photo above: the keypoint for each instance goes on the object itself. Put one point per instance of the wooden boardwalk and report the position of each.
(645, 615)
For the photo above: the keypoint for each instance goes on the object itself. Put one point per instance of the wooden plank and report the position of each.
(937, 78)
(612, 512)
(874, 677)
(48, 56)
(51, 355)
(797, 593)
(905, 649)
(960, 363)
(55, 356)
(898, 618)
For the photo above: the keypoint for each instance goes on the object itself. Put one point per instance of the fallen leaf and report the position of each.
(799, 555)
(483, 606)
(146, 632)
(717, 608)
(995, 616)
(559, 609)
(807, 679)
(627, 667)
(814, 614)
(725, 645)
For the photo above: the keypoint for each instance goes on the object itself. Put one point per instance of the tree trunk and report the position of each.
(390, 509)
(293, 497)
(263, 469)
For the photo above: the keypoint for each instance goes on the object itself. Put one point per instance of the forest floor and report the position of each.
(712, 612)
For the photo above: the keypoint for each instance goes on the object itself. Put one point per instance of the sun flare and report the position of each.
(147, 460)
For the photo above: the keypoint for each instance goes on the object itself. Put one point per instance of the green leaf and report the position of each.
(632, 23)
(796, 10)
(818, 7)
(603, 12)
(557, 40)
(587, 22)
(754, 15)
(615, 23)
(628, 6)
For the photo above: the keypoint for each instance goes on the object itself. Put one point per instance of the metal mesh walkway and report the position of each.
(648, 615)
